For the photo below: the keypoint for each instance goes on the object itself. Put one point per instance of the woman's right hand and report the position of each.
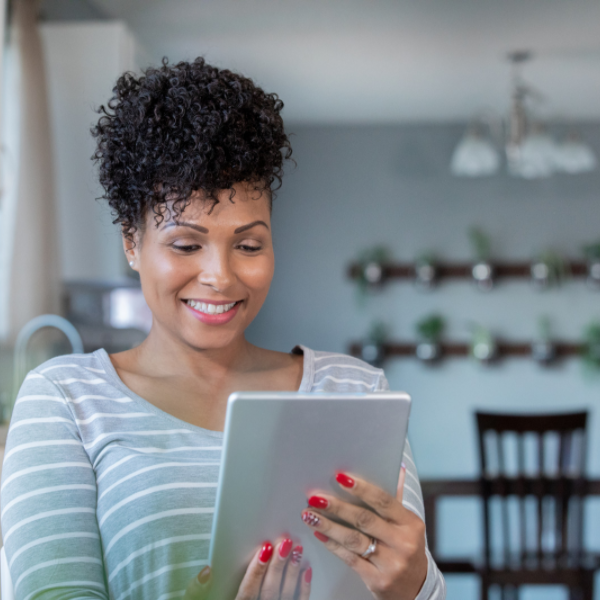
(271, 575)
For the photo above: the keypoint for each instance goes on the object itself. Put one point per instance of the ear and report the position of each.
(131, 247)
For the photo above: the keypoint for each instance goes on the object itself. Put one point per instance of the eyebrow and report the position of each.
(205, 230)
(183, 224)
(250, 226)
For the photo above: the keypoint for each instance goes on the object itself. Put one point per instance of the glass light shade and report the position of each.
(535, 157)
(575, 156)
(475, 156)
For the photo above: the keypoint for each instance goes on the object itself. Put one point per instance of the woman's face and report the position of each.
(206, 273)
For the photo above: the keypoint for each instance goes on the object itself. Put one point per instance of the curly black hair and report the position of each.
(183, 128)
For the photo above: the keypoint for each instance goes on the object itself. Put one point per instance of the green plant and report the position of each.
(591, 348)
(483, 345)
(544, 328)
(480, 243)
(592, 251)
(431, 328)
(373, 350)
(378, 333)
(368, 261)
(426, 258)
(554, 266)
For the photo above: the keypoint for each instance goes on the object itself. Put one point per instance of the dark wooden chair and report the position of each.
(533, 482)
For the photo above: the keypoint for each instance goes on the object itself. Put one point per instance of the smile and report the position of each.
(210, 309)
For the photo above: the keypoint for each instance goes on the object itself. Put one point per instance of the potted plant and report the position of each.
(373, 348)
(543, 349)
(426, 271)
(371, 269)
(548, 270)
(592, 254)
(483, 345)
(591, 348)
(482, 270)
(430, 331)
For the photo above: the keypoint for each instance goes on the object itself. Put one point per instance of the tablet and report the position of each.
(280, 446)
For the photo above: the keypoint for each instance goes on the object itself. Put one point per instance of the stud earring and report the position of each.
(131, 264)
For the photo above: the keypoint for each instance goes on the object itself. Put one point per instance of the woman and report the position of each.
(111, 462)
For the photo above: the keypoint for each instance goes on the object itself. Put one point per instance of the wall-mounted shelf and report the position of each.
(465, 270)
(503, 349)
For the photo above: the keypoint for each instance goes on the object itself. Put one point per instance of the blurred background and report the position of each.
(443, 215)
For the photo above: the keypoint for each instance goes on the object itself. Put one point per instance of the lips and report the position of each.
(213, 313)
(211, 308)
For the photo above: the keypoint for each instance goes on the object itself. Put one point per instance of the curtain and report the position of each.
(29, 268)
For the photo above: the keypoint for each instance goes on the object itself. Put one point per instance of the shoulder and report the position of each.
(334, 372)
(45, 404)
(82, 363)
(69, 367)
(63, 376)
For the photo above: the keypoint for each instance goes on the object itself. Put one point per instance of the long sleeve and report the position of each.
(434, 587)
(48, 503)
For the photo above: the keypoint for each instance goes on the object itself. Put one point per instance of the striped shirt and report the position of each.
(104, 495)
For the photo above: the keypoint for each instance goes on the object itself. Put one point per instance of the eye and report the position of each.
(248, 248)
(185, 249)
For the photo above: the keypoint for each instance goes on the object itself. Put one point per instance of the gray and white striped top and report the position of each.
(106, 496)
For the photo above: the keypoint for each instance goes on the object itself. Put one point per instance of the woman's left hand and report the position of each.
(397, 569)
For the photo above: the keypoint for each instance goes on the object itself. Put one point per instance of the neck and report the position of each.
(162, 355)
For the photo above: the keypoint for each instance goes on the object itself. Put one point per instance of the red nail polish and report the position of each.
(285, 548)
(266, 553)
(308, 575)
(318, 502)
(344, 480)
(204, 575)
(297, 555)
(321, 537)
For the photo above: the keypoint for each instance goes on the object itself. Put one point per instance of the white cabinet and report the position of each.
(83, 62)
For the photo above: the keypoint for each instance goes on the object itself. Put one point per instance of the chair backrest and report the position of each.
(6, 586)
(25, 335)
(533, 478)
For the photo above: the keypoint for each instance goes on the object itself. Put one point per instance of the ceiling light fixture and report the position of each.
(531, 152)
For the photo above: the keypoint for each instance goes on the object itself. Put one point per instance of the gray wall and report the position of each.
(355, 187)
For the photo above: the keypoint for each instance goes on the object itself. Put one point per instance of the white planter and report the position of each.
(483, 275)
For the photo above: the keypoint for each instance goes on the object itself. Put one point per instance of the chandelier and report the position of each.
(530, 151)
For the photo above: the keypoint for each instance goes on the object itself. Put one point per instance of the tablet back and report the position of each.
(278, 448)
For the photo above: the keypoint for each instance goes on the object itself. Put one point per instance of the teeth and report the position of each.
(210, 309)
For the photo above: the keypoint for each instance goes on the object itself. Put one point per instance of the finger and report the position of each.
(401, 478)
(305, 580)
(383, 503)
(291, 579)
(347, 543)
(274, 576)
(199, 586)
(250, 586)
(358, 517)
(365, 568)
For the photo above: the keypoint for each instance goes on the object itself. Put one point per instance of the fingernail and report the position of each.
(204, 575)
(318, 502)
(308, 575)
(266, 553)
(320, 536)
(344, 480)
(285, 548)
(404, 466)
(310, 519)
(297, 555)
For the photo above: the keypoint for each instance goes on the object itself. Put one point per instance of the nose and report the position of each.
(216, 270)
